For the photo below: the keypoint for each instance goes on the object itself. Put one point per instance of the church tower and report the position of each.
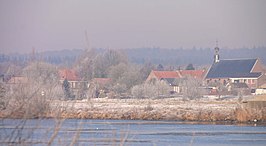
(216, 55)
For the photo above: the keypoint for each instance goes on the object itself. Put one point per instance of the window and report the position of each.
(236, 81)
(253, 90)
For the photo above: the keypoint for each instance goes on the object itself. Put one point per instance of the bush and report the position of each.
(151, 90)
(32, 98)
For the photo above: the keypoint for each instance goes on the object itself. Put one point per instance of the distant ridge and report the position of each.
(174, 57)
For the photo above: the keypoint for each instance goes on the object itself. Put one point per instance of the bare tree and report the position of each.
(220, 88)
(151, 90)
(104, 61)
(145, 70)
(124, 77)
(85, 64)
(117, 71)
(191, 88)
(31, 98)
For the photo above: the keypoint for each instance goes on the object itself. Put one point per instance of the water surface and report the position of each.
(128, 132)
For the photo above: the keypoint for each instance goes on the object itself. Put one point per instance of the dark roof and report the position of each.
(233, 69)
(170, 81)
(247, 75)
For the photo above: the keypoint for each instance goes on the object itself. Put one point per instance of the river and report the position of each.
(128, 132)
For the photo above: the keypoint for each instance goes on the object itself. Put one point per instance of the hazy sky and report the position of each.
(61, 24)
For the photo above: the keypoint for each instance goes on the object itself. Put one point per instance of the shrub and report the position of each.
(151, 90)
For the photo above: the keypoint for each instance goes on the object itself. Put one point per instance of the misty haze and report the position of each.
(153, 72)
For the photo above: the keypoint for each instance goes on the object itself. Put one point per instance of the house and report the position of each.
(168, 76)
(71, 76)
(76, 84)
(159, 75)
(174, 78)
(248, 71)
(196, 74)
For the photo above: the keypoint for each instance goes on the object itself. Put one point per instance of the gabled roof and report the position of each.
(69, 74)
(166, 74)
(233, 69)
(192, 73)
(102, 81)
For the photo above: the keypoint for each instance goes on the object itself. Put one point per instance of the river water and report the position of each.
(128, 132)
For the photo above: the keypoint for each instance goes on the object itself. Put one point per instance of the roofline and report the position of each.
(207, 72)
(73, 80)
(236, 77)
(260, 75)
(244, 78)
(153, 72)
(240, 59)
(179, 74)
(254, 65)
(218, 78)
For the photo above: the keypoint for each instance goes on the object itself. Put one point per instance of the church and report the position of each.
(248, 71)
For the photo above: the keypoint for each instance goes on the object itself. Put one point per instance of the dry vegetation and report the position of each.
(156, 109)
(141, 109)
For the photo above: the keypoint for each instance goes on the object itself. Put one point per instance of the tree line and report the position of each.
(174, 57)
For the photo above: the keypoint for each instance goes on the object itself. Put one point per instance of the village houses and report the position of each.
(174, 78)
(232, 74)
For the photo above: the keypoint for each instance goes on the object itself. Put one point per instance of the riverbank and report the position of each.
(159, 109)
(152, 109)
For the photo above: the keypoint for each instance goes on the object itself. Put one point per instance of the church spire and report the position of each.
(216, 55)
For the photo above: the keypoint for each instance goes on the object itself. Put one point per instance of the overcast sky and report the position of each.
(61, 24)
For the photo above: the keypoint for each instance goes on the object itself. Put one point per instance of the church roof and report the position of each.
(233, 69)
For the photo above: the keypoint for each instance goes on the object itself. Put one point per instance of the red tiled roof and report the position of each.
(68, 74)
(193, 73)
(102, 81)
(166, 74)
